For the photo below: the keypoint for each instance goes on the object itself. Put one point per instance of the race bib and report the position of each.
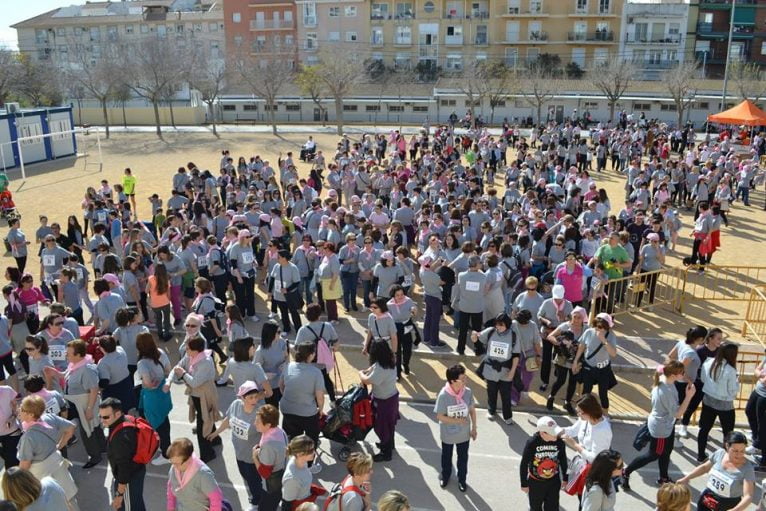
(52, 406)
(247, 257)
(49, 260)
(202, 261)
(472, 286)
(57, 353)
(407, 281)
(239, 428)
(499, 349)
(499, 277)
(457, 411)
(80, 274)
(277, 285)
(719, 482)
(102, 217)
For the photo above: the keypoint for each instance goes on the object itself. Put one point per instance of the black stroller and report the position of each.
(349, 421)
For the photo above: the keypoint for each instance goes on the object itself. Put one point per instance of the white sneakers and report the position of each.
(160, 460)
(752, 450)
(682, 431)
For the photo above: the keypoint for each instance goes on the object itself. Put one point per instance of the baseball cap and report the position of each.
(247, 387)
(548, 426)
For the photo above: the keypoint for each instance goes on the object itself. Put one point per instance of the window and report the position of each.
(481, 38)
(514, 6)
(535, 31)
(402, 61)
(379, 11)
(350, 11)
(604, 6)
(289, 41)
(511, 57)
(333, 37)
(667, 107)
(250, 108)
(144, 28)
(578, 57)
(270, 108)
(581, 6)
(454, 35)
(640, 31)
(535, 6)
(372, 108)
(197, 27)
(309, 14)
(232, 108)
(590, 105)
(128, 29)
(212, 27)
(161, 30)
(349, 108)
(419, 108)
(293, 107)
(311, 41)
(703, 105)
(448, 102)
(96, 50)
(469, 104)
(351, 37)
(95, 33)
(404, 10)
(41, 36)
(179, 28)
(334, 12)
(61, 31)
(376, 36)
(454, 62)
(454, 9)
(428, 6)
(237, 40)
(395, 108)
(600, 56)
(763, 48)
(403, 35)
(236, 17)
(63, 50)
(512, 31)
(214, 49)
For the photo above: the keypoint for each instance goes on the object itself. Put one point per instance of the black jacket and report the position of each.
(120, 451)
(543, 461)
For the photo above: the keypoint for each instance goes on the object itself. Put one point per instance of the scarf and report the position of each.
(74, 366)
(274, 434)
(457, 395)
(13, 301)
(191, 470)
(28, 424)
(198, 358)
(104, 295)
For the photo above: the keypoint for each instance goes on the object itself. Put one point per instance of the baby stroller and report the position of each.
(349, 421)
(7, 206)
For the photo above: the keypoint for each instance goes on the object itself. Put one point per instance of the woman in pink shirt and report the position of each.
(571, 275)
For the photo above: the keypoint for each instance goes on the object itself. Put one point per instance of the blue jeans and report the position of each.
(348, 281)
(252, 479)
(462, 461)
(366, 289)
(745, 192)
(306, 288)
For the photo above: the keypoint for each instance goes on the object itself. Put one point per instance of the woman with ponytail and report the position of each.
(662, 419)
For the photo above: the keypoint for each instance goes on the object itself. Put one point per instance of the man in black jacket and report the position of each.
(129, 476)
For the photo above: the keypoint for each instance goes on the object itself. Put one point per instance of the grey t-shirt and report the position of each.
(174, 266)
(401, 313)
(17, 236)
(284, 277)
(594, 499)
(82, 380)
(728, 484)
(448, 405)
(274, 454)
(52, 496)
(244, 436)
(651, 257)
(126, 338)
(592, 342)
(381, 328)
(301, 383)
(351, 501)
(431, 283)
(500, 348)
(532, 303)
(296, 482)
(193, 496)
(38, 442)
(383, 381)
(106, 309)
(113, 366)
(469, 291)
(273, 360)
(527, 336)
(662, 418)
(146, 367)
(240, 372)
(387, 276)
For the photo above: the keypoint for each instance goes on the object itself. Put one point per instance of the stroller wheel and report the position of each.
(344, 454)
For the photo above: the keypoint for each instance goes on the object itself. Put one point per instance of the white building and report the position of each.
(653, 34)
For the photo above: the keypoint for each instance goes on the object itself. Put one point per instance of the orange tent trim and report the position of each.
(745, 113)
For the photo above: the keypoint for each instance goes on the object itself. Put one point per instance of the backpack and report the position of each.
(324, 353)
(147, 440)
(224, 263)
(338, 491)
(361, 414)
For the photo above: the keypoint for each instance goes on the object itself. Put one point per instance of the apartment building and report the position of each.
(342, 26)
(712, 32)
(655, 35)
(263, 29)
(51, 36)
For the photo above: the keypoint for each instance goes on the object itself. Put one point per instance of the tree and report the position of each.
(339, 76)
(38, 82)
(155, 66)
(264, 78)
(209, 79)
(122, 94)
(97, 80)
(537, 88)
(428, 71)
(473, 85)
(574, 71)
(747, 80)
(9, 66)
(307, 80)
(679, 83)
(613, 78)
(547, 63)
(500, 82)
(402, 80)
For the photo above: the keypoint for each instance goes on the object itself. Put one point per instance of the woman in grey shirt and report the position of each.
(598, 346)
(381, 375)
(385, 275)
(380, 325)
(316, 332)
(402, 310)
(651, 257)
(599, 493)
(302, 388)
(272, 355)
(297, 479)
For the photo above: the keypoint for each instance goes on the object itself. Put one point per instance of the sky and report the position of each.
(19, 10)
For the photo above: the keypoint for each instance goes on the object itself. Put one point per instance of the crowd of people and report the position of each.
(509, 236)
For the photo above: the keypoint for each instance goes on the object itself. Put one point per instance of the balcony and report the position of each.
(453, 14)
(404, 18)
(538, 36)
(453, 40)
(657, 64)
(272, 24)
(403, 41)
(310, 21)
(310, 46)
(481, 40)
(645, 39)
(591, 37)
(724, 4)
(740, 32)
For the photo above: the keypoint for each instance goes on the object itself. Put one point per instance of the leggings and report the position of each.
(564, 374)
(693, 403)
(659, 449)
(403, 349)
(707, 419)
(756, 417)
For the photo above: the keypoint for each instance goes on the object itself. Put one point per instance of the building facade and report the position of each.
(263, 29)
(334, 25)
(654, 35)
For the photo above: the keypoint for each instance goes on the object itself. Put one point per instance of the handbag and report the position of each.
(530, 364)
(642, 437)
(293, 297)
(578, 470)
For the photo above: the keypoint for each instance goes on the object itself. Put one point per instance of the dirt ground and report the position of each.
(56, 189)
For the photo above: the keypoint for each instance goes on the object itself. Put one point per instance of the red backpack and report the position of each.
(338, 491)
(147, 440)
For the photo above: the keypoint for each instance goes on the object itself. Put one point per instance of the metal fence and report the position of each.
(754, 325)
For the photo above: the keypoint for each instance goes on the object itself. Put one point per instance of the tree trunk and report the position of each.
(211, 105)
(79, 110)
(339, 114)
(611, 110)
(273, 117)
(172, 115)
(124, 118)
(680, 115)
(106, 117)
(157, 116)
(491, 114)
(539, 109)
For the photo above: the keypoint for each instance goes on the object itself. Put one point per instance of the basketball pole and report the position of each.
(21, 160)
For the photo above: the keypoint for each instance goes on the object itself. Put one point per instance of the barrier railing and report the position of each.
(720, 283)
(754, 325)
(747, 361)
(634, 292)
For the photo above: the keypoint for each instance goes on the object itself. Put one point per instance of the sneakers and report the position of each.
(462, 487)
(490, 415)
(160, 460)
(752, 450)
(683, 432)
(508, 421)
(549, 403)
(221, 382)
(316, 467)
(256, 319)
(443, 482)
(543, 387)
(272, 315)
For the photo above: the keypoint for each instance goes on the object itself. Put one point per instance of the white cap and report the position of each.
(558, 292)
(548, 426)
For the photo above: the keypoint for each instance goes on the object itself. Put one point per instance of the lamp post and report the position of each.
(728, 55)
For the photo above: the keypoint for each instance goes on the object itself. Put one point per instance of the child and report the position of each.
(69, 293)
(544, 466)
(598, 288)
(235, 325)
(83, 278)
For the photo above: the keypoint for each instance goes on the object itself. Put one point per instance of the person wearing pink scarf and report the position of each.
(270, 456)
(456, 412)
(191, 483)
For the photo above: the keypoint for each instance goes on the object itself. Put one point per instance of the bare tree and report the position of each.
(38, 82)
(307, 80)
(340, 76)
(500, 82)
(9, 66)
(537, 88)
(679, 83)
(208, 77)
(155, 66)
(402, 82)
(265, 78)
(473, 85)
(613, 78)
(122, 94)
(97, 80)
(747, 80)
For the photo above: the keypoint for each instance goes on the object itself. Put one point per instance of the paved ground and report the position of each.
(56, 188)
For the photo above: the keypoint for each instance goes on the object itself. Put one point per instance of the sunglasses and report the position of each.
(58, 323)
(559, 244)
(104, 417)
(30, 349)
(191, 326)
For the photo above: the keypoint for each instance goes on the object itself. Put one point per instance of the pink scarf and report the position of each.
(104, 295)
(274, 434)
(28, 424)
(198, 358)
(192, 468)
(457, 395)
(74, 366)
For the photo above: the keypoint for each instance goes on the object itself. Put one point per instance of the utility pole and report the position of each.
(728, 55)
